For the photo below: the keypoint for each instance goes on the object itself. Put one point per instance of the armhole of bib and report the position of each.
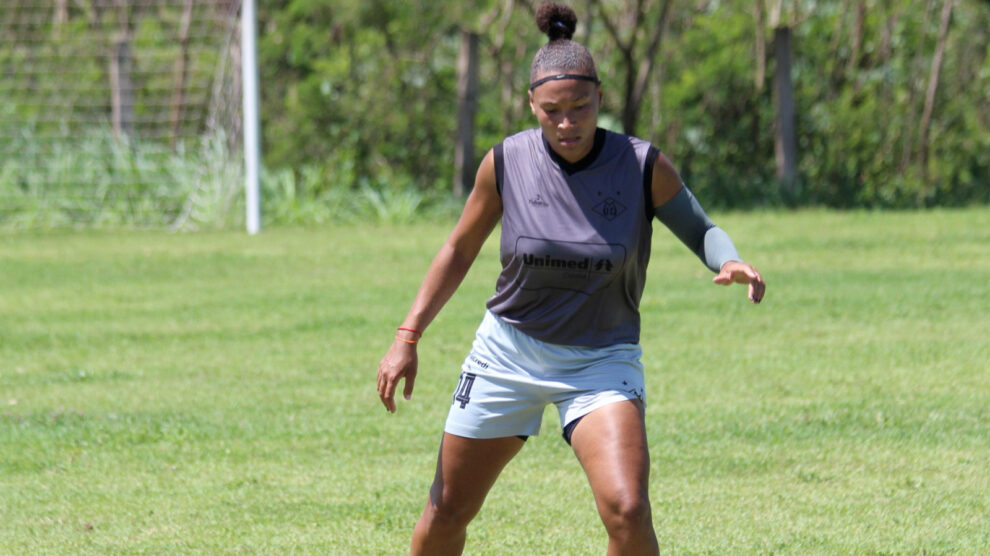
(651, 159)
(499, 152)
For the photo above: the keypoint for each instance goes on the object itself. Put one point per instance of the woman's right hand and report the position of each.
(400, 362)
(482, 211)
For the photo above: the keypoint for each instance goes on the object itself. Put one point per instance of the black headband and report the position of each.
(539, 82)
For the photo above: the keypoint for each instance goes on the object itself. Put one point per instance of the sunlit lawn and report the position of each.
(213, 393)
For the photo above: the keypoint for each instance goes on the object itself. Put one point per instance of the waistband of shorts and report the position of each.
(507, 348)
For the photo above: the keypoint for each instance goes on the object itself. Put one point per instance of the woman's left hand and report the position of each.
(735, 272)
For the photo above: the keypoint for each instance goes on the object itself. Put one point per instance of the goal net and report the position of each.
(119, 112)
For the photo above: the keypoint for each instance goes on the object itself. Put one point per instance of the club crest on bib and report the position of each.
(609, 209)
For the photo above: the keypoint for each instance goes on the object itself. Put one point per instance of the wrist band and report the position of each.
(413, 330)
(406, 340)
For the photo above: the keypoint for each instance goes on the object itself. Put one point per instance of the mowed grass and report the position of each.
(214, 393)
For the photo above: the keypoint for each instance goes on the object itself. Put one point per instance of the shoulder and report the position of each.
(660, 176)
(619, 146)
(486, 184)
(520, 147)
(665, 181)
(519, 150)
(524, 137)
(623, 141)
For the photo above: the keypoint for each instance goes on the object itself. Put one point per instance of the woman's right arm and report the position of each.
(481, 213)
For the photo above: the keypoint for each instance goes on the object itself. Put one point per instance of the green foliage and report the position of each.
(370, 84)
(55, 75)
(102, 181)
(311, 197)
(170, 164)
(718, 131)
(861, 135)
(359, 107)
(375, 84)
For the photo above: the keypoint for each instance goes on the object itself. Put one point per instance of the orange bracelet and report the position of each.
(406, 340)
(413, 330)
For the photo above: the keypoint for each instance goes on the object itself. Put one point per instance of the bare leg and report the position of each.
(466, 470)
(610, 443)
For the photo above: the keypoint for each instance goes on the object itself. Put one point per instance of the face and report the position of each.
(567, 110)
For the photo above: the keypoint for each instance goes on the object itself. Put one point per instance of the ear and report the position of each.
(532, 103)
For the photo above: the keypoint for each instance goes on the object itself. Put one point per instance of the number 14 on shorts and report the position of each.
(463, 392)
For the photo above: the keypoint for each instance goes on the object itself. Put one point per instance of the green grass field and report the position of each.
(214, 393)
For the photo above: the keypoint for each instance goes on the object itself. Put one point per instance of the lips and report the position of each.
(569, 141)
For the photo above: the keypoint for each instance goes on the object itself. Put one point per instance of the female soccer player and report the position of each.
(576, 204)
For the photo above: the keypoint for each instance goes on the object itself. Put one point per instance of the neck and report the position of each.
(572, 166)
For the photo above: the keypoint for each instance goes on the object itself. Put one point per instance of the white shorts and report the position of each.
(509, 378)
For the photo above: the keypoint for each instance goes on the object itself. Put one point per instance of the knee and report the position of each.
(446, 511)
(626, 513)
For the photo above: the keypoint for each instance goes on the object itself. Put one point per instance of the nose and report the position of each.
(566, 121)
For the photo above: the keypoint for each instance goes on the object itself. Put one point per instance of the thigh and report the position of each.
(610, 442)
(467, 469)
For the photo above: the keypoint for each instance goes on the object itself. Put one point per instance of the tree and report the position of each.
(785, 137)
(637, 62)
(121, 66)
(926, 114)
(365, 91)
(467, 106)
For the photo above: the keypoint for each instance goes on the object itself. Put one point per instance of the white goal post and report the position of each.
(252, 125)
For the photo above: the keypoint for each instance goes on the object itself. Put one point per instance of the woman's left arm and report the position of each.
(679, 210)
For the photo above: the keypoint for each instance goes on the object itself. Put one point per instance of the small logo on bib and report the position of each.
(538, 201)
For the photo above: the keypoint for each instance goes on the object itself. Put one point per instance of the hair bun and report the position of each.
(556, 20)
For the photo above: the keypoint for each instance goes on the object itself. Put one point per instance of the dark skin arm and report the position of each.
(481, 213)
(666, 184)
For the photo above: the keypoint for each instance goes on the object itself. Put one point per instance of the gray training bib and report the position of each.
(575, 239)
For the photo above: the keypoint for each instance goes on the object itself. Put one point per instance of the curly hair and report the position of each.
(560, 54)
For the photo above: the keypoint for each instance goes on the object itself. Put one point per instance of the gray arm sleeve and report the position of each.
(684, 217)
